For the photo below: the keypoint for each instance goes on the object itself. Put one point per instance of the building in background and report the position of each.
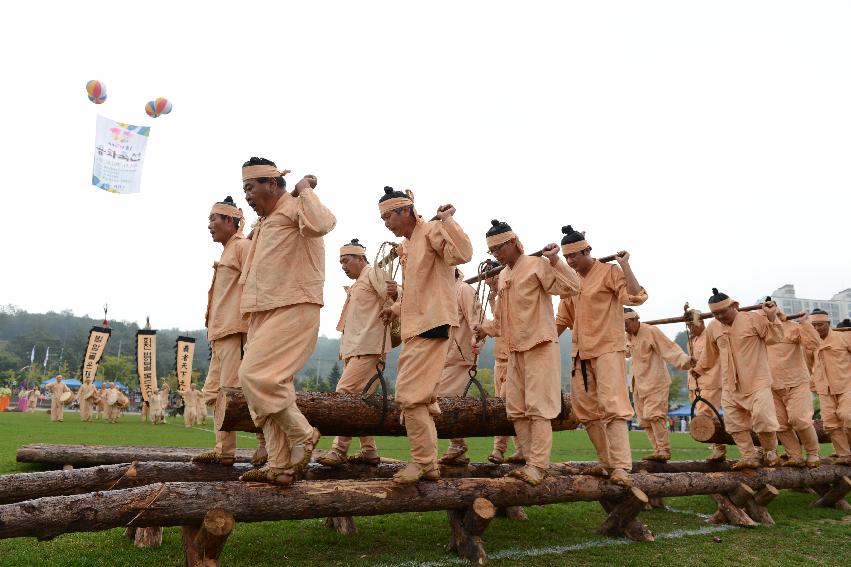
(838, 306)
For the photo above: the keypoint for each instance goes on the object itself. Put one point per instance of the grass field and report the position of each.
(554, 535)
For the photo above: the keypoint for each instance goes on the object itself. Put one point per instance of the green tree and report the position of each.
(117, 369)
(334, 376)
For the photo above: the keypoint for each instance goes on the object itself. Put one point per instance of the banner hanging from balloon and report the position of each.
(184, 351)
(119, 155)
(98, 337)
(146, 361)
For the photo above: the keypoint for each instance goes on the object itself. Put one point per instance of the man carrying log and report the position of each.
(500, 377)
(57, 406)
(790, 386)
(427, 309)
(86, 398)
(364, 341)
(599, 393)
(708, 385)
(525, 318)
(832, 377)
(650, 349)
(739, 343)
(282, 293)
(460, 360)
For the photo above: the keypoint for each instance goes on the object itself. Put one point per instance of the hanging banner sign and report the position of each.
(146, 361)
(119, 155)
(184, 350)
(98, 337)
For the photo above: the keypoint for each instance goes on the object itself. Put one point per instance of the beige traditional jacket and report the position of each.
(363, 330)
(650, 350)
(223, 317)
(595, 316)
(524, 315)
(286, 261)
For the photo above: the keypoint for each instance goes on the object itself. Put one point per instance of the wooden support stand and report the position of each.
(729, 513)
(516, 513)
(834, 496)
(203, 544)
(468, 525)
(623, 516)
(343, 525)
(745, 498)
(148, 537)
(707, 429)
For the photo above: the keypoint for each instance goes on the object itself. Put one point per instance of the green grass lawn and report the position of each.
(554, 535)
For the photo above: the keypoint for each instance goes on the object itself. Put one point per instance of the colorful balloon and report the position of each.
(155, 108)
(96, 91)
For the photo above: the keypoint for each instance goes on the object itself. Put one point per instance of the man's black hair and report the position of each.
(498, 227)
(390, 193)
(282, 183)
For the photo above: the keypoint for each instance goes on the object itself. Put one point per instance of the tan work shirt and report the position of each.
(469, 313)
(711, 379)
(595, 316)
(223, 317)
(742, 350)
(786, 359)
(57, 389)
(286, 261)
(427, 258)
(832, 368)
(650, 349)
(362, 329)
(524, 315)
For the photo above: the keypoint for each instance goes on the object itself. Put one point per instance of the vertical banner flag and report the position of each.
(119, 155)
(98, 337)
(46, 357)
(146, 361)
(184, 351)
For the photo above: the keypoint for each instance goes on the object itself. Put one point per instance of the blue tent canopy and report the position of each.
(71, 382)
(685, 411)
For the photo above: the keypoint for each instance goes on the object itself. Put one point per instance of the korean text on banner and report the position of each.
(98, 337)
(146, 362)
(119, 155)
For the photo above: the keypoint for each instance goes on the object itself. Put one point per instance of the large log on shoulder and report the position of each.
(353, 415)
(186, 503)
(707, 429)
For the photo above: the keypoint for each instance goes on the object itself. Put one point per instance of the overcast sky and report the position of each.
(710, 139)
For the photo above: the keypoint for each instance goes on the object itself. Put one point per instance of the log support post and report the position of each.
(834, 496)
(343, 525)
(623, 516)
(148, 537)
(745, 498)
(729, 513)
(203, 544)
(468, 525)
(657, 502)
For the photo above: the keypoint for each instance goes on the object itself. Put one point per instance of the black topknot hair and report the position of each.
(717, 296)
(628, 310)
(355, 242)
(390, 193)
(228, 201)
(844, 324)
(570, 235)
(818, 311)
(498, 227)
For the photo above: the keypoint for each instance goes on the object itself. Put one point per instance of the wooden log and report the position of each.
(823, 489)
(766, 494)
(657, 502)
(623, 512)
(28, 486)
(95, 455)
(835, 494)
(353, 416)
(745, 498)
(185, 503)
(202, 545)
(148, 537)
(130, 532)
(90, 455)
(516, 513)
(467, 526)
(731, 513)
(707, 429)
(499, 267)
(708, 315)
(343, 525)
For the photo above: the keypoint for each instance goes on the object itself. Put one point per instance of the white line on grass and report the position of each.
(559, 549)
(238, 433)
